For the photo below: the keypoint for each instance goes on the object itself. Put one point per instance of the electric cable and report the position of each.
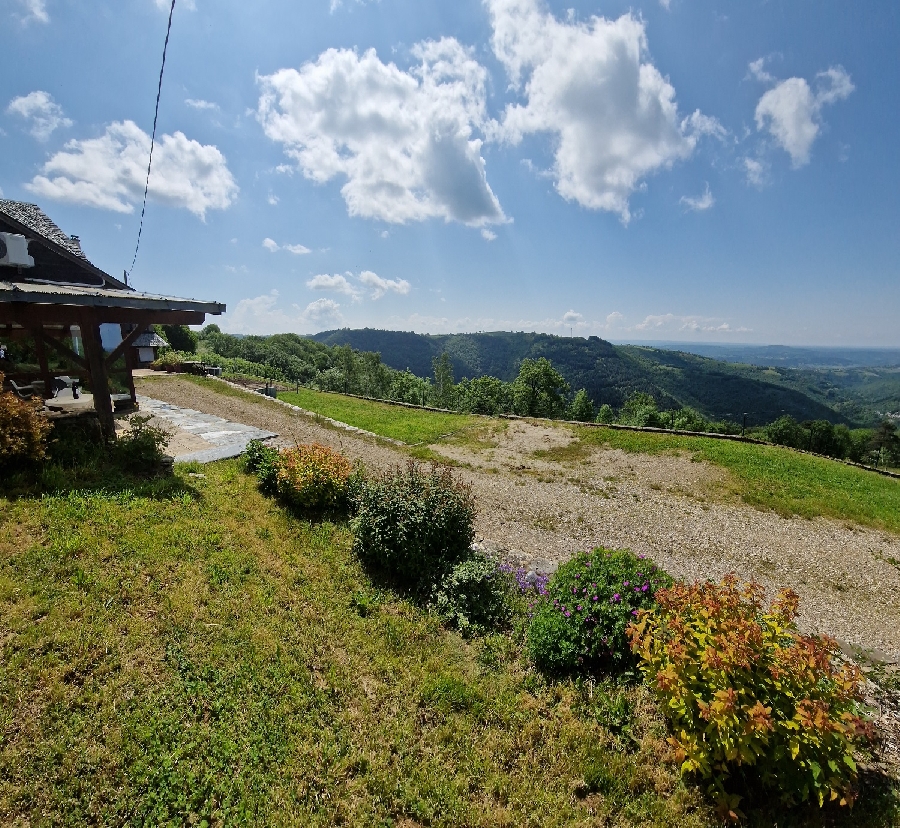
(152, 139)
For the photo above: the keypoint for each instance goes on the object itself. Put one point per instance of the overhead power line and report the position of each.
(162, 69)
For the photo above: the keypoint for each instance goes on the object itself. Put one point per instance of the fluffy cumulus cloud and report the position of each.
(699, 203)
(376, 285)
(405, 143)
(791, 110)
(265, 315)
(591, 85)
(273, 247)
(381, 286)
(336, 283)
(323, 312)
(41, 112)
(109, 172)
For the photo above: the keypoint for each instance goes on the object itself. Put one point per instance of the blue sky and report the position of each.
(693, 170)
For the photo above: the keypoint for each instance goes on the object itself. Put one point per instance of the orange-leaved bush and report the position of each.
(742, 687)
(313, 476)
(23, 428)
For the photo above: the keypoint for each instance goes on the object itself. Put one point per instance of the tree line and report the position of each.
(538, 390)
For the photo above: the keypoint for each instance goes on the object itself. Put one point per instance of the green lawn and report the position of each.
(192, 653)
(202, 654)
(770, 477)
(409, 425)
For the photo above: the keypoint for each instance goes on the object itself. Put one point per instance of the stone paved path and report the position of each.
(225, 438)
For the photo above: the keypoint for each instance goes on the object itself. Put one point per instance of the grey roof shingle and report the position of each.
(150, 339)
(37, 220)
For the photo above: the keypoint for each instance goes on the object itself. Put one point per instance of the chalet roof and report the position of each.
(32, 222)
(150, 339)
(35, 219)
(99, 297)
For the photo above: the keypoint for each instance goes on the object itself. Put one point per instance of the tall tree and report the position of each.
(539, 389)
(443, 381)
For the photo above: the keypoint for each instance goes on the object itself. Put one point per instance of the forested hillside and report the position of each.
(609, 373)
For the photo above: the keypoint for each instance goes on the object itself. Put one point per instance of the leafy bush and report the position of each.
(581, 623)
(262, 460)
(414, 524)
(140, 449)
(313, 476)
(472, 596)
(23, 429)
(742, 687)
(172, 360)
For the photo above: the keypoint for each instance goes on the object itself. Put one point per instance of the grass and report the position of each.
(771, 477)
(410, 426)
(207, 656)
(192, 653)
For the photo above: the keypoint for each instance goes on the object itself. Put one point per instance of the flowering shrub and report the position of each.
(23, 429)
(742, 687)
(414, 524)
(472, 596)
(313, 476)
(581, 622)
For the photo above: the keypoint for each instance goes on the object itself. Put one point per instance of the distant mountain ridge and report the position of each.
(609, 373)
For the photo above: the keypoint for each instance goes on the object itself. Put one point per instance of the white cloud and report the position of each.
(666, 4)
(756, 70)
(791, 111)
(572, 318)
(165, 5)
(334, 5)
(337, 283)
(381, 286)
(756, 170)
(590, 85)
(42, 111)
(109, 172)
(272, 199)
(202, 105)
(614, 319)
(404, 142)
(672, 323)
(323, 312)
(701, 202)
(488, 235)
(36, 10)
(260, 315)
(273, 247)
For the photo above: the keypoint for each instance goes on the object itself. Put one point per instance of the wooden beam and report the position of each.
(62, 349)
(30, 314)
(125, 343)
(93, 347)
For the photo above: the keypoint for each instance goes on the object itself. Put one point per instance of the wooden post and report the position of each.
(42, 362)
(93, 348)
(129, 365)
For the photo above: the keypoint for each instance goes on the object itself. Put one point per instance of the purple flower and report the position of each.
(615, 598)
(645, 587)
(568, 615)
(626, 583)
(574, 591)
(634, 612)
(595, 597)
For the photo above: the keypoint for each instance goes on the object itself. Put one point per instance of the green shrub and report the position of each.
(262, 460)
(140, 449)
(23, 429)
(313, 476)
(414, 524)
(742, 688)
(473, 595)
(581, 623)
